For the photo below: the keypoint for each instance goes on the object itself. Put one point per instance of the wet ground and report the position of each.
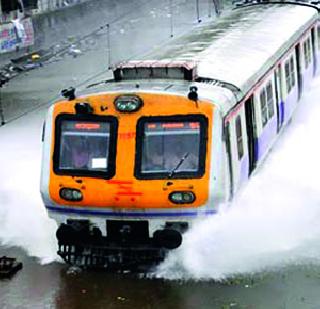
(27, 233)
(57, 286)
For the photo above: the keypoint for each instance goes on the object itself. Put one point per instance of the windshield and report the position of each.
(171, 148)
(84, 146)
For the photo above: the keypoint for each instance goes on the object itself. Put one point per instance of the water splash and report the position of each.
(23, 219)
(274, 221)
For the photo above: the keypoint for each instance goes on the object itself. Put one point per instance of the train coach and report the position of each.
(132, 162)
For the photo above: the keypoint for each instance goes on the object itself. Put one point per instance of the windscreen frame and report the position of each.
(111, 162)
(202, 119)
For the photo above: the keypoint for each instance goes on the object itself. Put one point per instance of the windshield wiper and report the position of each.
(172, 172)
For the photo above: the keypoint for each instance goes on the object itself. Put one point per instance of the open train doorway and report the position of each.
(250, 125)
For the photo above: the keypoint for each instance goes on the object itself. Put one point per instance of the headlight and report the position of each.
(182, 197)
(128, 103)
(69, 194)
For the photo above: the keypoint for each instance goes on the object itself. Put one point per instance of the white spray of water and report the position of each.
(274, 222)
(23, 220)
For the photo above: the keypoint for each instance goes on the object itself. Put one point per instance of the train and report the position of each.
(131, 163)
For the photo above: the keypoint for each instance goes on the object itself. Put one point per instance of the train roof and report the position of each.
(236, 50)
(222, 97)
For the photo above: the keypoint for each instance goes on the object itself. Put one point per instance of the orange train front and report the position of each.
(127, 172)
(131, 163)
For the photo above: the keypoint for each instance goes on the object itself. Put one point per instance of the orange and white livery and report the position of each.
(130, 163)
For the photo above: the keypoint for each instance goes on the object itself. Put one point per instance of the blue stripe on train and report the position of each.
(281, 113)
(129, 214)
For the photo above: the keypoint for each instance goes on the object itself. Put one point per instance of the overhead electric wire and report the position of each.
(82, 83)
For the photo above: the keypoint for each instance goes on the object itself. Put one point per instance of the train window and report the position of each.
(85, 145)
(264, 107)
(318, 36)
(171, 147)
(289, 71)
(307, 52)
(292, 72)
(239, 137)
(270, 101)
(288, 76)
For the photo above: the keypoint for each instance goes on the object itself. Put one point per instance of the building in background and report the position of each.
(12, 8)
(16, 25)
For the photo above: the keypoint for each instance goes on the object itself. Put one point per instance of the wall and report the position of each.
(54, 26)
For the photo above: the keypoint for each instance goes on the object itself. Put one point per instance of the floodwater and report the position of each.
(263, 252)
(52, 286)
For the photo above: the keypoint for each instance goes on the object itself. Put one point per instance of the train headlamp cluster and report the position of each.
(182, 197)
(128, 103)
(73, 195)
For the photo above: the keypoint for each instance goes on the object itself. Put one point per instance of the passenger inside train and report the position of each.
(171, 150)
(80, 154)
(83, 146)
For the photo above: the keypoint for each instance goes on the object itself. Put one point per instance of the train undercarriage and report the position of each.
(127, 245)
